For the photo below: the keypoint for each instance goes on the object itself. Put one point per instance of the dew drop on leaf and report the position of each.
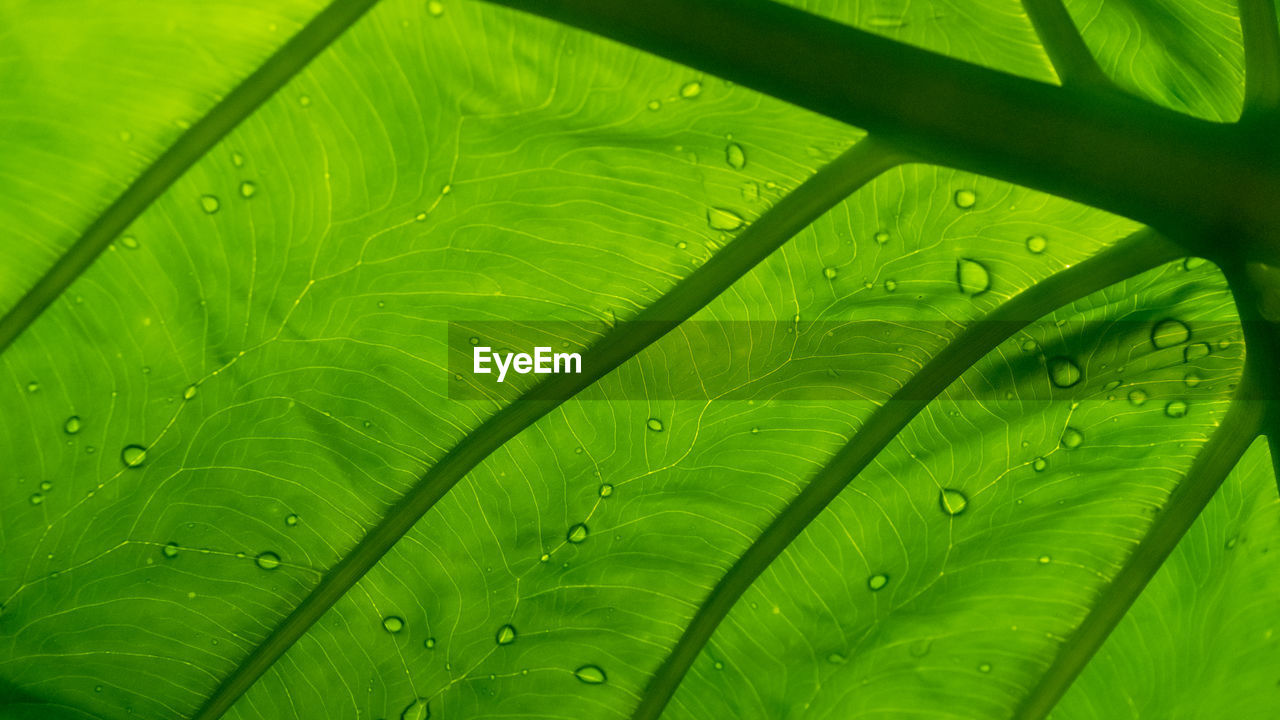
(654, 424)
(72, 425)
(304, 100)
(577, 533)
(209, 204)
(133, 456)
(691, 89)
(984, 668)
(416, 710)
(1192, 263)
(1064, 372)
(722, 219)
(881, 237)
(1039, 464)
(972, 277)
(1195, 351)
(129, 242)
(170, 550)
(1176, 408)
(1137, 397)
(606, 490)
(36, 498)
(590, 674)
(268, 560)
(429, 643)
(1045, 559)
(890, 285)
(190, 392)
(965, 199)
(735, 156)
(654, 104)
(392, 624)
(248, 189)
(435, 8)
(237, 159)
(33, 387)
(291, 519)
(1192, 379)
(952, 501)
(877, 581)
(1072, 438)
(1169, 332)
(837, 659)
(1037, 244)
(46, 486)
(505, 635)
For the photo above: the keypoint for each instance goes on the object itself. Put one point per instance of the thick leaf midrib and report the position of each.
(192, 145)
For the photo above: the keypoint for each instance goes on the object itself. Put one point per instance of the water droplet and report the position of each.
(189, 392)
(292, 519)
(984, 668)
(965, 199)
(1039, 464)
(237, 159)
(33, 386)
(735, 156)
(1192, 263)
(170, 550)
(505, 635)
(691, 89)
(654, 424)
(721, 219)
(1137, 397)
(881, 237)
(209, 204)
(1231, 543)
(590, 674)
(392, 624)
(972, 277)
(36, 498)
(830, 272)
(1195, 351)
(606, 490)
(1037, 244)
(1045, 559)
(429, 643)
(129, 242)
(836, 658)
(1176, 408)
(1064, 372)
(750, 191)
(1030, 346)
(268, 560)
(1072, 438)
(890, 285)
(1192, 379)
(304, 100)
(877, 581)
(416, 710)
(952, 501)
(435, 8)
(248, 189)
(72, 425)
(1169, 332)
(133, 456)
(46, 486)
(577, 533)
(654, 104)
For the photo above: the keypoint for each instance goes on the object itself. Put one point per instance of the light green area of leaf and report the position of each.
(273, 337)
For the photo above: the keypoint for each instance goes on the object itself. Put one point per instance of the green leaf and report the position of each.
(888, 424)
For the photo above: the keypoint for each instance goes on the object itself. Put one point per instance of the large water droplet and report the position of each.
(735, 156)
(1037, 244)
(1137, 397)
(722, 219)
(577, 533)
(133, 456)
(877, 581)
(881, 237)
(392, 624)
(1176, 408)
(72, 425)
(1072, 438)
(1064, 372)
(209, 204)
(952, 501)
(416, 710)
(590, 674)
(268, 560)
(654, 424)
(1169, 332)
(1039, 464)
(691, 89)
(505, 635)
(966, 199)
(972, 276)
(1195, 351)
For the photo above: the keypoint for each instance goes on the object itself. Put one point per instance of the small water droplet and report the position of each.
(590, 674)
(735, 156)
(1192, 263)
(416, 710)
(435, 8)
(890, 285)
(722, 219)
(248, 189)
(972, 277)
(1030, 346)
(237, 159)
(1192, 379)
(129, 242)
(1072, 438)
(209, 204)
(606, 490)
(33, 387)
(836, 658)
(1137, 397)
(1176, 408)
(189, 392)
(877, 581)
(268, 560)
(881, 237)
(170, 550)
(1231, 543)
(292, 519)
(966, 199)
(505, 635)
(654, 424)
(984, 668)
(72, 425)
(1169, 332)
(46, 486)
(577, 533)
(133, 456)
(1064, 372)
(952, 501)
(1045, 559)
(1195, 351)
(1037, 244)
(830, 272)
(1039, 464)
(36, 498)
(304, 100)
(691, 89)
(654, 104)
(392, 624)
(429, 643)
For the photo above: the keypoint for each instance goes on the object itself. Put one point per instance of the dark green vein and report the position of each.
(1062, 43)
(1135, 254)
(793, 213)
(318, 34)
(1219, 455)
